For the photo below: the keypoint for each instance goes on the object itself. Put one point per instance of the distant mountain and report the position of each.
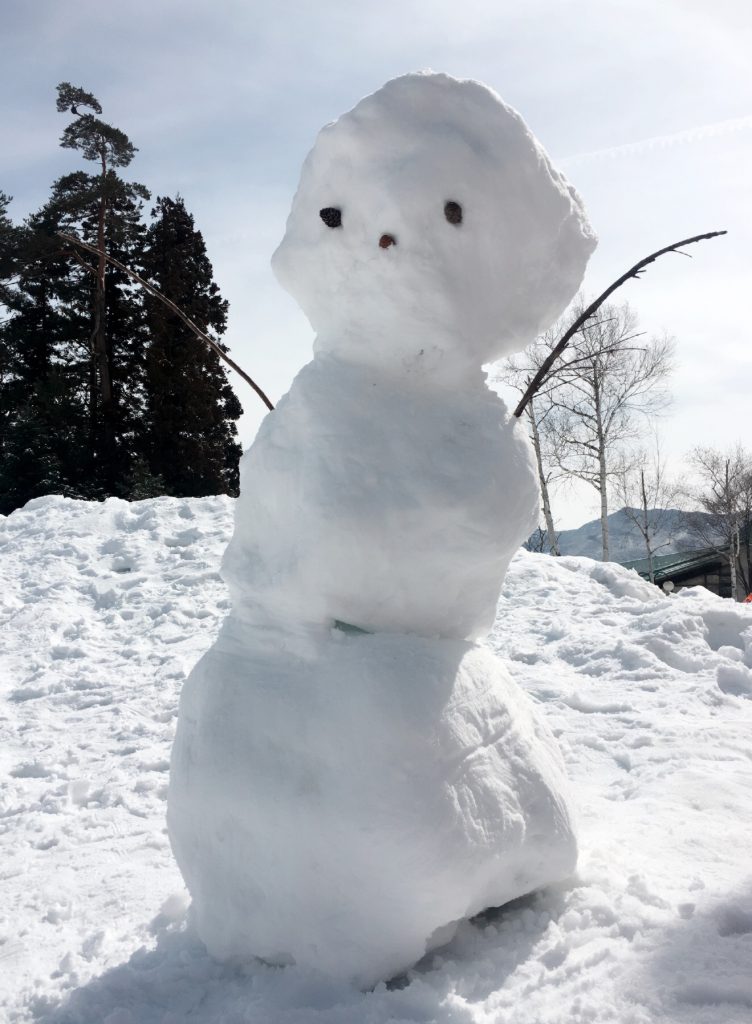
(625, 540)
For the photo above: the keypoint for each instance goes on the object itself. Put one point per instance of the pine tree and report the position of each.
(191, 437)
(101, 391)
(8, 253)
(107, 310)
(37, 412)
(8, 234)
(39, 447)
(51, 392)
(112, 425)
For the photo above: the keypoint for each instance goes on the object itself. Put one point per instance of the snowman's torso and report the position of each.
(385, 505)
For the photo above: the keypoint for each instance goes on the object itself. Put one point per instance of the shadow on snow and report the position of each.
(178, 981)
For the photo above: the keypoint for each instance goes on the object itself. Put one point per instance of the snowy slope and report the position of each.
(625, 541)
(103, 610)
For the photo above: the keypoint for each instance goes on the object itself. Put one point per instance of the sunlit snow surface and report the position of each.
(103, 610)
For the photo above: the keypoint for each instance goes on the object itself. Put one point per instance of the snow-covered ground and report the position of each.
(103, 610)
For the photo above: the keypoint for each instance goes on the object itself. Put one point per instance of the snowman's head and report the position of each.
(429, 223)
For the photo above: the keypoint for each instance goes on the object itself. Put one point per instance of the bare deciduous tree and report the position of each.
(544, 421)
(647, 494)
(724, 494)
(610, 381)
(585, 314)
(538, 542)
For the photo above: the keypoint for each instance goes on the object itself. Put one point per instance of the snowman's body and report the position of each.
(351, 774)
(335, 493)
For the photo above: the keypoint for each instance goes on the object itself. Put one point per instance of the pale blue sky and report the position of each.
(646, 106)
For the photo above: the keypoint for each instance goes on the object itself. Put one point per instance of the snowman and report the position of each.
(353, 774)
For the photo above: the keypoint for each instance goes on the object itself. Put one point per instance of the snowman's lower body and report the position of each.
(342, 801)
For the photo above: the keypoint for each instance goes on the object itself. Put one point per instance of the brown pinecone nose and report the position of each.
(386, 240)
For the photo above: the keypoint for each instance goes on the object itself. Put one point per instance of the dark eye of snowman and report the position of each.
(453, 212)
(331, 216)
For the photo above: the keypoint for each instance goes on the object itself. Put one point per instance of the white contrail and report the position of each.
(697, 134)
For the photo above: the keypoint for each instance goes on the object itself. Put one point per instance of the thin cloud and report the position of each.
(688, 135)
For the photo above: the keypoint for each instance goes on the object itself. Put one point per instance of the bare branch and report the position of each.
(72, 240)
(79, 259)
(634, 271)
(647, 497)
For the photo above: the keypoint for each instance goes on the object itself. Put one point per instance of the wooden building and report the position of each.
(707, 567)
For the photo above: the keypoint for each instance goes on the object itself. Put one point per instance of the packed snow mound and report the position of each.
(104, 607)
(381, 506)
(449, 294)
(343, 802)
(694, 630)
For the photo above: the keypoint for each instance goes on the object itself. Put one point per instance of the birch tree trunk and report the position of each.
(646, 526)
(602, 469)
(733, 555)
(602, 478)
(547, 515)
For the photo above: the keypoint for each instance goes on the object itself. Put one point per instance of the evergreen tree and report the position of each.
(39, 446)
(51, 394)
(112, 425)
(8, 236)
(8, 247)
(103, 392)
(105, 211)
(191, 438)
(37, 414)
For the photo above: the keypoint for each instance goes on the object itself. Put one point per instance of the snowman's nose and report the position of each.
(386, 240)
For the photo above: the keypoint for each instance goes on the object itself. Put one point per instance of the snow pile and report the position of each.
(351, 777)
(105, 607)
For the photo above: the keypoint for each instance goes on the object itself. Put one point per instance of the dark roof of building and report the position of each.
(681, 563)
